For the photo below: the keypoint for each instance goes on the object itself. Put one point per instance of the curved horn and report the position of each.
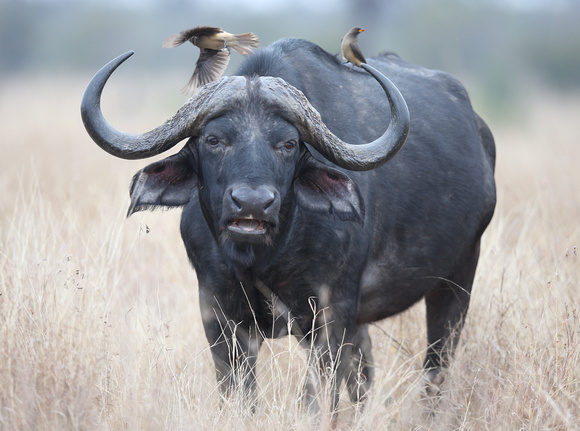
(197, 109)
(350, 156)
(158, 140)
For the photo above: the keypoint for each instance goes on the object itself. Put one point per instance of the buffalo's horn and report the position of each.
(219, 96)
(349, 156)
(140, 146)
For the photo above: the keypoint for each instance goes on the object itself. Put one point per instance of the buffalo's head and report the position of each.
(245, 154)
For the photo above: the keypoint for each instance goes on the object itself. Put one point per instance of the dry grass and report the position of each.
(99, 319)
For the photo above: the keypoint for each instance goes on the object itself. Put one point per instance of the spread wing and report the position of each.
(210, 66)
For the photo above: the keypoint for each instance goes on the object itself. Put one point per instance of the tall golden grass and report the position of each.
(99, 319)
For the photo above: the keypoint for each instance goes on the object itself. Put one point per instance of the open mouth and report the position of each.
(248, 226)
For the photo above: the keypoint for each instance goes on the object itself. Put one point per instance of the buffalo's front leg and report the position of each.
(332, 341)
(234, 348)
(361, 373)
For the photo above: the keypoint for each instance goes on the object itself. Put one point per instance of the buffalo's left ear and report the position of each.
(166, 183)
(322, 188)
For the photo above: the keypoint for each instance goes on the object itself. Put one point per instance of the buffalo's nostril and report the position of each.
(268, 199)
(236, 201)
(253, 200)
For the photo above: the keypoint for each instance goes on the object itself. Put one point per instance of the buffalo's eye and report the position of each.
(289, 145)
(212, 140)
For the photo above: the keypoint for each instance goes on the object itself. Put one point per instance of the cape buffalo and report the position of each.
(287, 200)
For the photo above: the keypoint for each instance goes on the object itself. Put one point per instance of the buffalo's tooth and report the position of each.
(249, 225)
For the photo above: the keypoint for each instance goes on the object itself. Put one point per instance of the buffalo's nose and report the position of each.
(255, 202)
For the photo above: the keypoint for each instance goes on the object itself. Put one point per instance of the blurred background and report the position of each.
(501, 49)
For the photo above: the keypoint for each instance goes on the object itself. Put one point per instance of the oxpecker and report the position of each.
(214, 56)
(350, 49)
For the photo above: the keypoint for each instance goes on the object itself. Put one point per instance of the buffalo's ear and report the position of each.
(166, 183)
(322, 188)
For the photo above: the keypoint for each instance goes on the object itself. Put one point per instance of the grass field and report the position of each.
(99, 319)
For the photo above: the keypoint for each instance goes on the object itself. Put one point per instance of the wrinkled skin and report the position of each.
(340, 249)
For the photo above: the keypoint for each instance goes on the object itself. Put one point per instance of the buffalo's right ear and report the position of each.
(166, 183)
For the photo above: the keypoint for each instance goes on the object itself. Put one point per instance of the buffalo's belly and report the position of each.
(386, 291)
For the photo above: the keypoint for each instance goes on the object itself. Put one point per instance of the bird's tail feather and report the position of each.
(244, 43)
(174, 40)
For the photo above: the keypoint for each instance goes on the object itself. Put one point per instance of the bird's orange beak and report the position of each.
(360, 30)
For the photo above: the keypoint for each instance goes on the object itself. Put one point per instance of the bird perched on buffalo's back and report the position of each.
(214, 44)
(350, 48)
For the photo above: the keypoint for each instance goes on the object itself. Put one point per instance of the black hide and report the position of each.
(340, 249)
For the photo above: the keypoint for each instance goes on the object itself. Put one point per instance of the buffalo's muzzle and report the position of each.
(253, 211)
